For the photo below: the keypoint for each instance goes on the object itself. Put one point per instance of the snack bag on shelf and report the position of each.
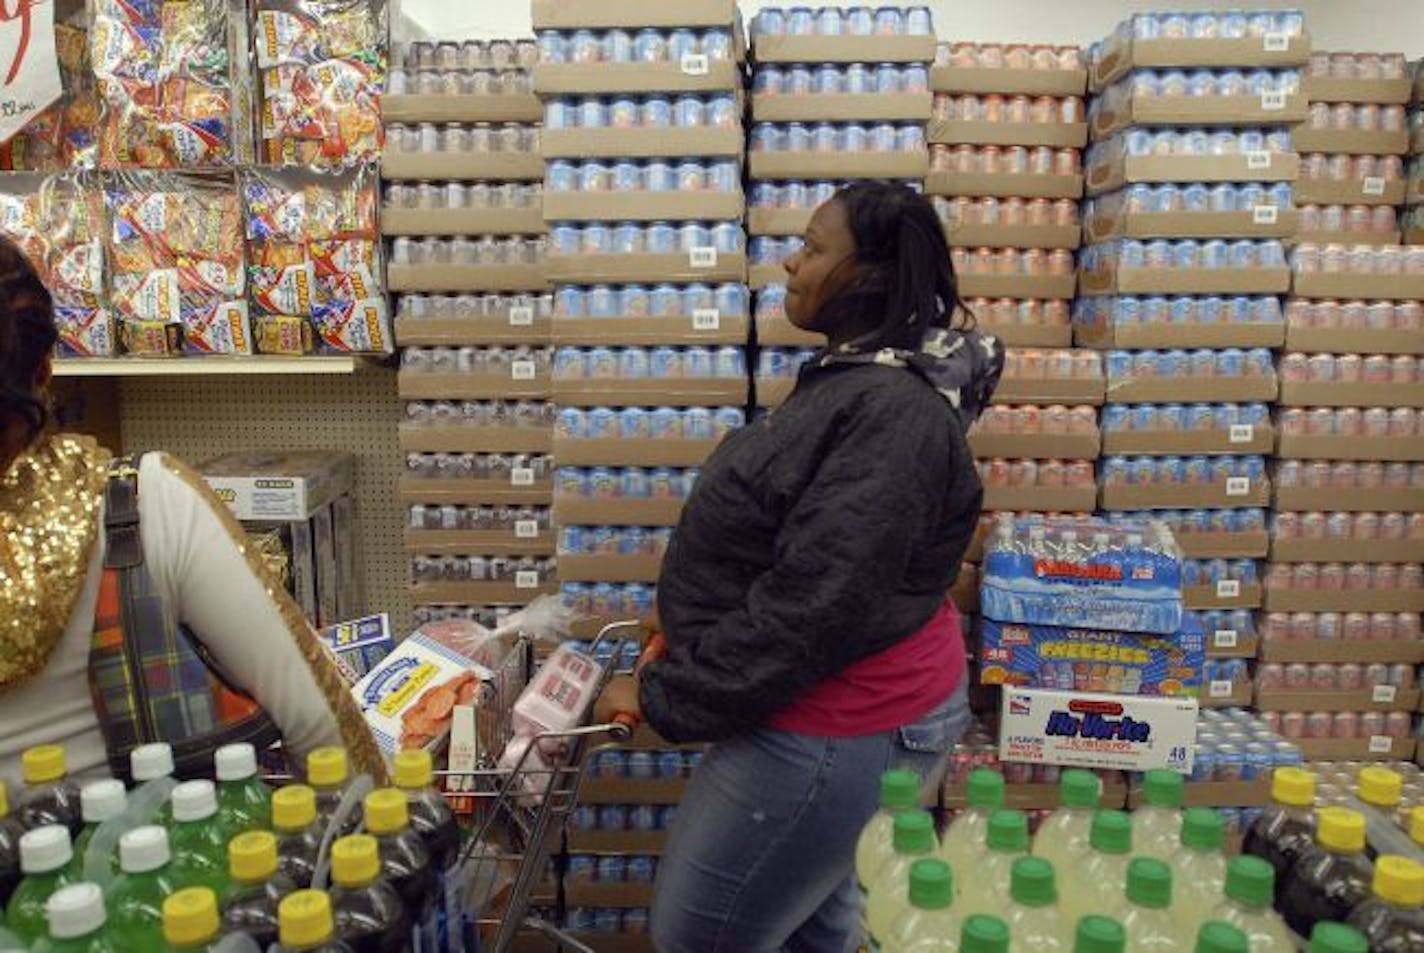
(63, 136)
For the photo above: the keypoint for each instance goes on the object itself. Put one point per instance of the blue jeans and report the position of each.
(761, 856)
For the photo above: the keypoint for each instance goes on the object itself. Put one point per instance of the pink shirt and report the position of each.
(888, 690)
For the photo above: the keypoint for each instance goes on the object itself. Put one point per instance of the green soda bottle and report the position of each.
(149, 763)
(244, 802)
(144, 882)
(984, 934)
(76, 921)
(46, 858)
(100, 801)
(190, 921)
(198, 840)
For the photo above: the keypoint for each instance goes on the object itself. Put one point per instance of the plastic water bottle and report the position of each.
(1333, 877)
(198, 840)
(100, 801)
(149, 764)
(984, 934)
(965, 838)
(405, 863)
(10, 834)
(1332, 937)
(1217, 937)
(49, 796)
(930, 924)
(308, 925)
(1393, 918)
(1199, 867)
(899, 792)
(1097, 886)
(190, 921)
(430, 813)
(1286, 828)
(298, 831)
(329, 774)
(890, 890)
(1157, 824)
(1147, 918)
(46, 859)
(244, 802)
(1250, 885)
(1033, 916)
(983, 888)
(258, 887)
(1062, 839)
(369, 913)
(1097, 934)
(76, 921)
(144, 882)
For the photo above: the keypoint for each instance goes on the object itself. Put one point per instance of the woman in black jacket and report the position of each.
(805, 596)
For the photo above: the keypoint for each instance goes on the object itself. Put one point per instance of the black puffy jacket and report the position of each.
(818, 536)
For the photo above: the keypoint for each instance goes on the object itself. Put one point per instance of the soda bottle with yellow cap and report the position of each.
(46, 858)
(1379, 792)
(10, 833)
(49, 796)
(244, 802)
(1393, 919)
(308, 925)
(1286, 828)
(329, 775)
(1333, 877)
(405, 863)
(258, 887)
(77, 921)
(190, 921)
(370, 916)
(430, 814)
(298, 831)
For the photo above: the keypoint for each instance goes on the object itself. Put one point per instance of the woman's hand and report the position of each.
(619, 698)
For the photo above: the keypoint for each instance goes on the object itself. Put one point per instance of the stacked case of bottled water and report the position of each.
(1413, 192)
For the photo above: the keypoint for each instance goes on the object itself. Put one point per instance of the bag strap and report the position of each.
(124, 548)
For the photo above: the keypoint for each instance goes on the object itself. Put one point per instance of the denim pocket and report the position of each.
(940, 729)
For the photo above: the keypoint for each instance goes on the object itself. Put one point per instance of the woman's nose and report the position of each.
(792, 264)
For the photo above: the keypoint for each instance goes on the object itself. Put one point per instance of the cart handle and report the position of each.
(652, 652)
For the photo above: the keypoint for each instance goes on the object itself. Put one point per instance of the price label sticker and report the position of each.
(1242, 433)
(526, 529)
(1381, 744)
(1373, 185)
(1265, 215)
(1228, 589)
(705, 257)
(1238, 486)
(1273, 101)
(1225, 638)
(706, 319)
(1258, 159)
(1221, 688)
(1275, 42)
(695, 64)
(522, 370)
(521, 476)
(1385, 694)
(526, 579)
(521, 316)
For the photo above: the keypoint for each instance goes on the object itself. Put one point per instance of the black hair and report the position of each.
(904, 269)
(27, 336)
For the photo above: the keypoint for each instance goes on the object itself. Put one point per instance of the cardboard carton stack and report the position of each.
(643, 147)
(462, 213)
(1413, 221)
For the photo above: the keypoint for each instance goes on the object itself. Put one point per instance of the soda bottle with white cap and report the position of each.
(1393, 919)
(244, 802)
(136, 899)
(1250, 885)
(150, 763)
(46, 859)
(49, 796)
(258, 887)
(190, 921)
(76, 921)
(100, 801)
(308, 925)
(1331, 878)
(299, 832)
(1199, 867)
(198, 839)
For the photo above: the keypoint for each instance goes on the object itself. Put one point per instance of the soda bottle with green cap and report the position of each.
(964, 840)
(190, 921)
(144, 882)
(1286, 828)
(99, 801)
(899, 792)
(299, 832)
(1033, 916)
(890, 890)
(1147, 917)
(1157, 824)
(405, 863)
(329, 775)
(76, 921)
(1217, 937)
(198, 840)
(1097, 886)
(46, 859)
(258, 887)
(1337, 938)
(1393, 918)
(984, 888)
(1199, 867)
(984, 934)
(930, 924)
(49, 796)
(430, 814)
(1097, 934)
(1333, 877)
(369, 913)
(308, 925)
(244, 802)
(1250, 885)
(10, 834)
(1062, 839)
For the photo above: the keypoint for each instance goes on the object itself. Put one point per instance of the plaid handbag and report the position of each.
(152, 679)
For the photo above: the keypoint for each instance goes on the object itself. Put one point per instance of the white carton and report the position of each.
(409, 698)
(279, 487)
(1087, 730)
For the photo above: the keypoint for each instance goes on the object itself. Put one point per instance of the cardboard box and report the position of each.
(279, 487)
(1080, 729)
(1331, 89)
(1373, 748)
(765, 276)
(843, 49)
(1024, 390)
(601, 790)
(459, 332)
(1006, 185)
(1035, 796)
(479, 593)
(1226, 693)
(1267, 221)
(1347, 550)
(466, 277)
(705, 329)
(457, 439)
(1124, 55)
(506, 492)
(838, 165)
(1314, 284)
(1035, 446)
(1348, 238)
(443, 108)
(779, 221)
(350, 567)
(360, 644)
(1353, 340)
(615, 942)
(1301, 447)
(1041, 499)
(303, 538)
(1184, 281)
(1029, 335)
(598, 894)
(1378, 698)
(503, 166)
(454, 385)
(1250, 545)
(643, 143)
(1245, 438)
(1382, 499)
(562, 15)
(1345, 600)
(1261, 166)
(391, 696)
(779, 332)
(704, 265)
(1037, 656)
(1354, 141)
(1254, 793)
(774, 392)
(694, 74)
(617, 842)
(1333, 394)
(1370, 191)
(462, 221)
(1229, 643)
(1013, 236)
(983, 132)
(1267, 109)
(609, 568)
(629, 392)
(460, 542)
(632, 453)
(1227, 594)
(640, 206)
(578, 511)
(1223, 493)
(1191, 389)
(842, 107)
(1015, 286)
(1155, 336)
(1007, 81)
